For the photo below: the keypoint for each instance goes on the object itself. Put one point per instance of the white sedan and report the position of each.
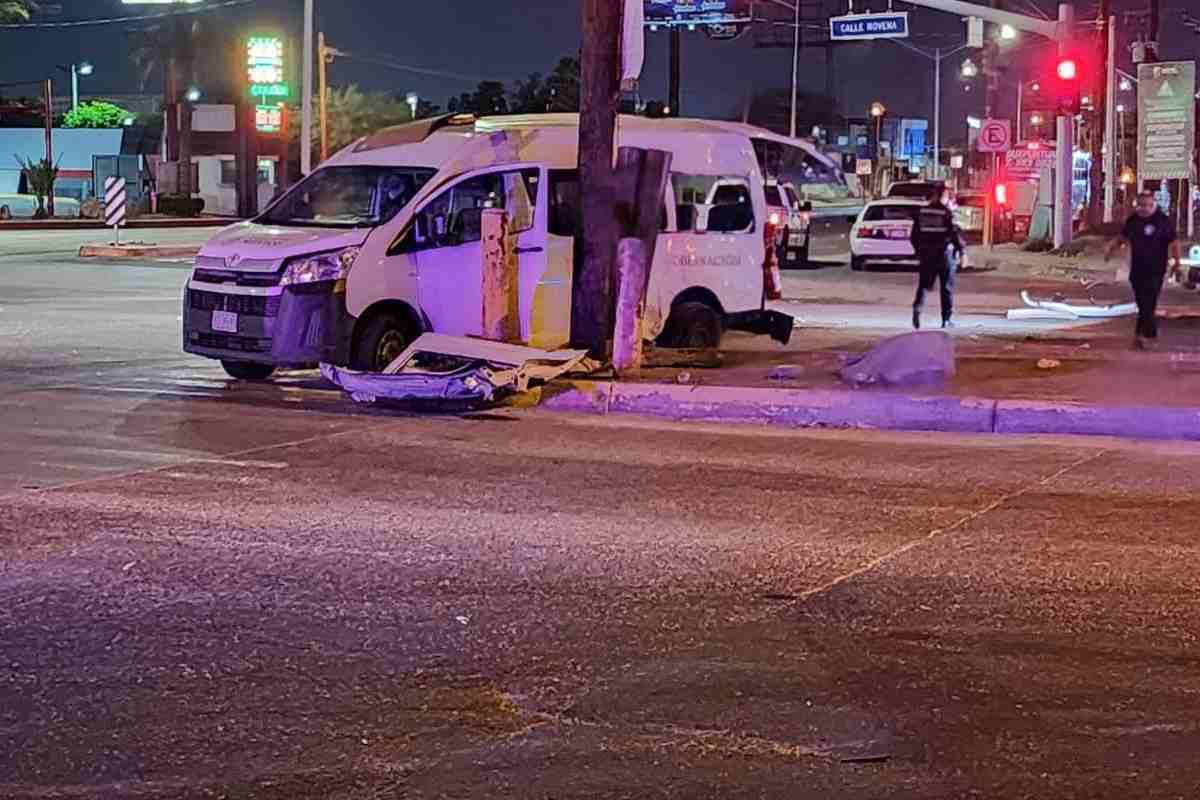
(883, 232)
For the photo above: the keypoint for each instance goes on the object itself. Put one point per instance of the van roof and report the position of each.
(697, 146)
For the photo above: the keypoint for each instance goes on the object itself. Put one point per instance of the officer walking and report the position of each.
(1151, 238)
(938, 244)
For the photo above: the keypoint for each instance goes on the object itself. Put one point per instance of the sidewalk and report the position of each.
(1099, 384)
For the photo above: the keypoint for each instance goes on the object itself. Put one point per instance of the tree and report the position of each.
(41, 176)
(562, 85)
(489, 98)
(96, 114)
(353, 114)
(16, 10)
(174, 47)
(530, 96)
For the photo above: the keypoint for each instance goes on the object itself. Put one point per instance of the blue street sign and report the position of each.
(869, 26)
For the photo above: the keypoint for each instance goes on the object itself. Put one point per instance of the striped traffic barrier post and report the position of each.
(114, 205)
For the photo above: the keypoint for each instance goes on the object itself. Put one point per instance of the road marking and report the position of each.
(912, 544)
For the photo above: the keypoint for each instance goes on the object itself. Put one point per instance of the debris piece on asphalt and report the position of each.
(455, 368)
(1048, 363)
(919, 358)
(683, 377)
(866, 759)
(1057, 308)
(785, 372)
(1085, 346)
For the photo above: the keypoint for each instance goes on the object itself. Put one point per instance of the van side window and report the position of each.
(455, 216)
(722, 204)
(565, 207)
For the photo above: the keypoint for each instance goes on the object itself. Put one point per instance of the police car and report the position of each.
(883, 231)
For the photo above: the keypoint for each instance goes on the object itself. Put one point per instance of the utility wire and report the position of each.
(79, 23)
(384, 62)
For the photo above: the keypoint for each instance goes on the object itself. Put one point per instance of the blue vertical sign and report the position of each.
(851, 27)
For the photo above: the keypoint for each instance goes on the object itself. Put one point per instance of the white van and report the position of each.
(382, 243)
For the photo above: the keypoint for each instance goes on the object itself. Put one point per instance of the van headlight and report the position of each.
(319, 267)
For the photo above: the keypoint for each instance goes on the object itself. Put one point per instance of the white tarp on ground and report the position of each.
(456, 368)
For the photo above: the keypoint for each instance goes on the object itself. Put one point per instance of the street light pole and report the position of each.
(74, 87)
(795, 64)
(937, 114)
(307, 100)
(1110, 123)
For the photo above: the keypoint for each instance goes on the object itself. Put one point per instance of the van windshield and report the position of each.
(348, 197)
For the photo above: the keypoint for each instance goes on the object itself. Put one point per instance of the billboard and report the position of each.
(697, 12)
(1166, 119)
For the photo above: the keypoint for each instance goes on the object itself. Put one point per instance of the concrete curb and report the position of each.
(133, 224)
(833, 408)
(137, 251)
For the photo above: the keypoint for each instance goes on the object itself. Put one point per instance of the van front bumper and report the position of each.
(293, 326)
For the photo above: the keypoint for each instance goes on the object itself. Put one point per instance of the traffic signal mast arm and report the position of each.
(1059, 29)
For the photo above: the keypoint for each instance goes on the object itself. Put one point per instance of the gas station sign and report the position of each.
(267, 80)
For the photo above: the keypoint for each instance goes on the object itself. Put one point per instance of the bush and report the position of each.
(180, 205)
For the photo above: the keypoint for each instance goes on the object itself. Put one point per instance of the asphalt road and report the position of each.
(214, 590)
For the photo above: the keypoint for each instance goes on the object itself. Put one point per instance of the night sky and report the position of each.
(470, 40)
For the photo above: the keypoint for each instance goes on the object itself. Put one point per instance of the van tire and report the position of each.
(248, 370)
(383, 337)
(857, 263)
(692, 325)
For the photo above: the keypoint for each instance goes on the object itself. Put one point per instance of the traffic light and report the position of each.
(1068, 72)
(1001, 194)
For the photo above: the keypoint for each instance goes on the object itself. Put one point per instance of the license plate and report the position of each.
(225, 321)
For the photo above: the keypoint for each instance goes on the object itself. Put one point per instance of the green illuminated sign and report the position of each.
(267, 80)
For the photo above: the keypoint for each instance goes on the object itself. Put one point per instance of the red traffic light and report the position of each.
(1068, 70)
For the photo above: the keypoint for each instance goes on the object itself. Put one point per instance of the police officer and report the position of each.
(1151, 238)
(938, 244)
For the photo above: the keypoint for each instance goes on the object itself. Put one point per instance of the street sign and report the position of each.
(1027, 163)
(851, 27)
(863, 166)
(995, 136)
(1166, 119)
(114, 204)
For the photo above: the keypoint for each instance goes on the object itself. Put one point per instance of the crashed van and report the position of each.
(382, 243)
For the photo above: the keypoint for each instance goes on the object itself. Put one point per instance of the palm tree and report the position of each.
(16, 10)
(173, 46)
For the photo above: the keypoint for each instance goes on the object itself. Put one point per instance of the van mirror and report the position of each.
(806, 205)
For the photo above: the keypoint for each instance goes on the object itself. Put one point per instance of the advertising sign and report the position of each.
(267, 81)
(891, 25)
(691, 12)
(1166, 119)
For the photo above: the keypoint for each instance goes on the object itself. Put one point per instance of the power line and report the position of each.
(384, 62)
(79, 23)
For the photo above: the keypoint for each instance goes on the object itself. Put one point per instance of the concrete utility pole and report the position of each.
(598, 229)
(673, 76)
(325, 56)
(306, 101)
(1099, 124)
(1110, 122)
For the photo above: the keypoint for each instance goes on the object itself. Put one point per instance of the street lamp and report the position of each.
(193, 94)
(413, 101)
(969, 70)
(878, 109)
(1007, 33)
(84, 68)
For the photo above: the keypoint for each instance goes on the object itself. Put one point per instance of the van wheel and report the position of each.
(693, 326)
(384, 337)
(857, 263)
(248, 370)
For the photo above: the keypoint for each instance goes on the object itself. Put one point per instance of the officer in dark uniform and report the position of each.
(1151, 238)
(938, 245)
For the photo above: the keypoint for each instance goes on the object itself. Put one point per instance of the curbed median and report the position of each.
(831, 408)
(137, 251)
